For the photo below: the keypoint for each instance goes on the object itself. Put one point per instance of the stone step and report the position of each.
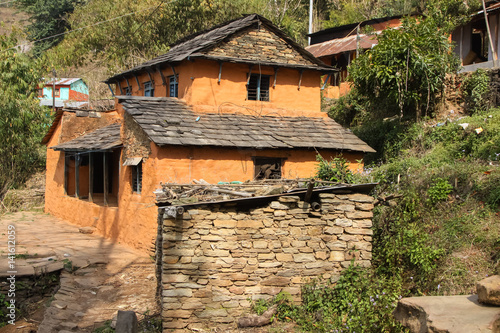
(446, 314)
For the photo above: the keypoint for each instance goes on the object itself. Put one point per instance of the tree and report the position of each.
(404, 73)
(48, 18)
(22, 120)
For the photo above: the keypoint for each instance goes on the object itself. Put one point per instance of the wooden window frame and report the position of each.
(173, 83)
(258, 88)
(149, 89)
(258, 161)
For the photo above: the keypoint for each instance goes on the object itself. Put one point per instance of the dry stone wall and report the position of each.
(260, 45)
(217, 258)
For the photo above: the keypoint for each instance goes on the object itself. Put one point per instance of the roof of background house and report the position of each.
(351, 26)
(62, 81)
(104, 138)
(339, 45)
(170, 121)
(61, 103)
(195, 45)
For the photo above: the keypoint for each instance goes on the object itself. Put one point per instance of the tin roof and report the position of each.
(170, 121)
(339, 45)
(62, 81)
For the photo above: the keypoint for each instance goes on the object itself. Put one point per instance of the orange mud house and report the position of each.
(238, 102)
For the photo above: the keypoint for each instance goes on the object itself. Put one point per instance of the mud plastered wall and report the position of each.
(217, 258)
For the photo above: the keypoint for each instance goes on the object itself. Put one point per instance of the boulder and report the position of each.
(488, 290)
(445, 314)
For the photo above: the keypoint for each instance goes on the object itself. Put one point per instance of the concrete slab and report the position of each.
(445, 314)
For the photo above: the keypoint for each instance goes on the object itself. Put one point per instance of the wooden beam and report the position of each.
(119, 87)
(77, 175)
(128, 84)
(91, 177)
(105, 177)
(310, 187)
(66, 172)
(326, 81)
(300, 79)
(137, 80)
(249, 74)
(220, 71)
(493, 50)
(163, 80)
(150, 78)
(175, 74)
(462, 45)
(111, 89)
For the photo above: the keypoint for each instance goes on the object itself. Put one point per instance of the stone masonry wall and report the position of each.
(217, 257)
(259, 44)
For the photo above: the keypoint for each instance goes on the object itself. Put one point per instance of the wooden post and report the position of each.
(66, 172)
(493, 50)
(91, 177)
(310, 187)
(105, 178)
(77, 175)
(462, 45)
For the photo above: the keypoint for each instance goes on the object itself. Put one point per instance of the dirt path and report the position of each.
(109, 277)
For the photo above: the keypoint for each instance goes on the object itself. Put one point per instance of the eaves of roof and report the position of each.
(102, 139)
(169, 121)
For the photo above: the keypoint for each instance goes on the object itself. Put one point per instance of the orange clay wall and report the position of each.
(133, 222)
(183, 164)
(199, 87)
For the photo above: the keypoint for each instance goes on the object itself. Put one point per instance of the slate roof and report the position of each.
(170, 121)
(104, 138)
(194, 45)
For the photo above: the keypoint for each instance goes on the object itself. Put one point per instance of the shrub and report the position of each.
(439, 191)
(337, 170)
(357, 302)
(476, 91)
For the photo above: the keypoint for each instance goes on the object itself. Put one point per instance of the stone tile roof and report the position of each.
(195, 45)
(104, 138)
(170, 121)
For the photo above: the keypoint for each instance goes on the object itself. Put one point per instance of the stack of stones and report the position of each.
(260, 45)
(218, 258)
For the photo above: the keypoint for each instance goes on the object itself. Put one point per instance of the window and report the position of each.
(149, 89)
(258, 88)
(173, 86)
(267, 168)
(128, 91)
(58, 92)
(137, 178)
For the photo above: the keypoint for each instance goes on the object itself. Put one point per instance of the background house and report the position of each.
(69, 92)
(472, 43)
(338, 46)
(238, 102)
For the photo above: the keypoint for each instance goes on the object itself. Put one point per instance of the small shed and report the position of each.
(215, 258)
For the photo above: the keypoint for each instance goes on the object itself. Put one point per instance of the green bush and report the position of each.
(335, 170)
(476, 91)
(439, 191)
(358, 302)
